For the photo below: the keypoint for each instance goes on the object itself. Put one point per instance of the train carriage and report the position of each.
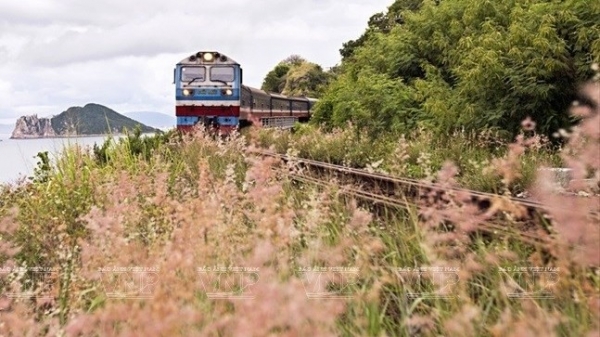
(209, 90)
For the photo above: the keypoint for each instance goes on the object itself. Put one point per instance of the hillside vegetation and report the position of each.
(296, 76)
(465, 65)
(94, 119)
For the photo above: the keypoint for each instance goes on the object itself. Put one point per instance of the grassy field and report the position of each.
(183, 237)
(421, 155)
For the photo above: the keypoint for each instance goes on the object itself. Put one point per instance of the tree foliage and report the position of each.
(94, 119)
(295, 76)
(275, 79)
(381, 23)
(468, 64)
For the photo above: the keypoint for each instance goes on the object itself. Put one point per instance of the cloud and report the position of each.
(59, 53)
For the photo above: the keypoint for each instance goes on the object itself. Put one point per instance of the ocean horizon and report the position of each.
(19, 155)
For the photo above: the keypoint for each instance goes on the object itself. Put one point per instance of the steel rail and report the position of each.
(485, 226)
(486, 196)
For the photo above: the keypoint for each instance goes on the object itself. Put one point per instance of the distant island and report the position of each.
(90, 120)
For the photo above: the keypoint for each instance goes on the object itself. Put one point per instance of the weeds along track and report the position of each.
(520, 219)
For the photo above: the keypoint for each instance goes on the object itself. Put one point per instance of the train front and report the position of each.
(207, 92)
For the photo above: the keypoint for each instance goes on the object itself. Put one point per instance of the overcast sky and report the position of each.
(60, 53)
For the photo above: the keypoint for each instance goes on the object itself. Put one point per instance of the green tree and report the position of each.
(305, 79)
(295, 76)
(381, 23)
(276, 79)
(475, 64)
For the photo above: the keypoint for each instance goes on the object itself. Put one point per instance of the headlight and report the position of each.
(227, 92)
(208, 57)
(187, 92)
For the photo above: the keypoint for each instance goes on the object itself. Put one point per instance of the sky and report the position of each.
(55, 54)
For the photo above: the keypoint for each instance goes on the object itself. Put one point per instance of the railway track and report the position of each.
(530, 219)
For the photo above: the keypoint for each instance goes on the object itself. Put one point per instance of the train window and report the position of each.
(299, 105)
(196, 74)
(281, 105)
(225, 74)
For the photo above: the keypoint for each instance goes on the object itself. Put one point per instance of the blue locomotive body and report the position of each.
(209, 90)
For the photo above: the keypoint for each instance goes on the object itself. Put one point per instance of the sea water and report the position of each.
(18, 157)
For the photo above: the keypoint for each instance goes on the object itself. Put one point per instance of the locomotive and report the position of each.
(209, 90)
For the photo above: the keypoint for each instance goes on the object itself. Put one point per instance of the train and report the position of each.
(210, 91)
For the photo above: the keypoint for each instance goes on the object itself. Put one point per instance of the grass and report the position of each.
(419, 155)
(164, 207)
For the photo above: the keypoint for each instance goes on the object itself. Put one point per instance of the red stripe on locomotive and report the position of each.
(198, 111)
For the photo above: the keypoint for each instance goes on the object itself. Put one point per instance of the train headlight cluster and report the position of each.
(187, 92)
(208, 57)
(227, 92)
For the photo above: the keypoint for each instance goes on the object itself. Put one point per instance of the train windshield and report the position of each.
(222, 74)
(193, 74)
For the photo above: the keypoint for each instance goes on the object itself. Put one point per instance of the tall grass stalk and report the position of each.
(100, 221)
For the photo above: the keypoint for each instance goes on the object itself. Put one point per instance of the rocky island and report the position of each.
(90, 120)
(33, 127)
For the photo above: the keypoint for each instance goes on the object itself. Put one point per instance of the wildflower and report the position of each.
(419, 325)
(463, 322)
(528, 124)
